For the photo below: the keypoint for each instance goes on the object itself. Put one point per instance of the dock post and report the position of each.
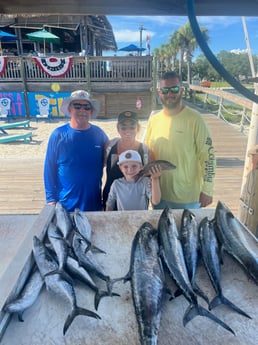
(248, 212)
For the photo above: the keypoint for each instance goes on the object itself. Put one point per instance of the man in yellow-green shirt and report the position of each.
(180, 135)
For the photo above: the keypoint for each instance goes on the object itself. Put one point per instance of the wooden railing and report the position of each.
(239, 118)
(82, 69)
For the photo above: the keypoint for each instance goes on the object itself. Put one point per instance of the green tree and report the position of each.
(204, 70)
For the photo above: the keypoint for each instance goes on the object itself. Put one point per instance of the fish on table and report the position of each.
(83, 227)
(59, 245)
(237, 240)
(56, 283)
(189, 236)
(86, 259)
(211, 257)
(147, 279)
(27, 297)
(172, 254)
(63, 220)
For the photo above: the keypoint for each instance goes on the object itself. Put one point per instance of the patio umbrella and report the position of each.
(132, 48)
(6, 37)
(43, 36)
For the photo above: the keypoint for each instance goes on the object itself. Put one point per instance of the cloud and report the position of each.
(126, 35)
(238, 51)
(148, 21)
(126, 28)
(218, 22)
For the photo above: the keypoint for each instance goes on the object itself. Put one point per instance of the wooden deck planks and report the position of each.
(22, 189)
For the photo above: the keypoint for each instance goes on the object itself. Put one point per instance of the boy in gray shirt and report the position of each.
(130, 192)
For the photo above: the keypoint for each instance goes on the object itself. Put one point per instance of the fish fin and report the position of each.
(195, 310)
(110, 284)
(20, 318)
(223, 300)
(169, 292)
(177, 293)
(95, 249)
(200, 293)
(52, 273)
(75, 312)
(125, 279)
(101, 294)
(61, 273)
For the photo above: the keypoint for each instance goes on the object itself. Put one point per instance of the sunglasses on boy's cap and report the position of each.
(172, 89)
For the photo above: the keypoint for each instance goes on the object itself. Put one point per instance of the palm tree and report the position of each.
(188, 44)
(174, 42)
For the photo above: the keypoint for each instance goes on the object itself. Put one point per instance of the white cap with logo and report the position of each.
(129, 156)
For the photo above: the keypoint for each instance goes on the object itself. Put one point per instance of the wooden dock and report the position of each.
(22, 189)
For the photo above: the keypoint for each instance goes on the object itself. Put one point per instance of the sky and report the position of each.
(225, 33)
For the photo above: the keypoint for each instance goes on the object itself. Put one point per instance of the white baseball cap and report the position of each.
(129, 156)
(80, 95)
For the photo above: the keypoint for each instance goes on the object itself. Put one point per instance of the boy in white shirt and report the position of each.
(131, 192)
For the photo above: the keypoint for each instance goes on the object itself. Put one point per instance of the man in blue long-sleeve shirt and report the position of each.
(74, 159)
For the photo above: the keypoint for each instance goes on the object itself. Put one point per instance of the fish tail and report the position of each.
(195, 310)
(101, 294)
(200, 293)
(75, 312)
(191, 312)
(223, 300)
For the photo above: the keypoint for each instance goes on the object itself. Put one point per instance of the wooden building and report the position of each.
(77, 63)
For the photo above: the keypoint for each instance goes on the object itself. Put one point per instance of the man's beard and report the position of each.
(172, 105)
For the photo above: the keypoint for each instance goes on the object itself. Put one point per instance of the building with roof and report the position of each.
(90, 34)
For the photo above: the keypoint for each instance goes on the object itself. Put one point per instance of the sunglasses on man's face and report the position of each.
(172, 89)
(78, 106)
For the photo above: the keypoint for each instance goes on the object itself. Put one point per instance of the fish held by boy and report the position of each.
(164, 165)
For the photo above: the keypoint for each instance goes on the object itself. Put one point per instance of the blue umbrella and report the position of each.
(132, 48)
(6, 37)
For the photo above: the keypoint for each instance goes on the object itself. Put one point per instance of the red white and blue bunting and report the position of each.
(3, 63)
(53, 66)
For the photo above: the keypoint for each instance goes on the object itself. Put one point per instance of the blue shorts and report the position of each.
(174, 205)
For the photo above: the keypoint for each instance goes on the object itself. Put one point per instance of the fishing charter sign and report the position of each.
(12, 104)
(54, 66)
(46, 103)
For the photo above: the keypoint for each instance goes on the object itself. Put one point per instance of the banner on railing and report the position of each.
(46, 104)
(54, 66)
(12, 104)
(3, 62)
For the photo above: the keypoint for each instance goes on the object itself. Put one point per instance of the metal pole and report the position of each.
(141, 28)
(245, 206)
(251, 61)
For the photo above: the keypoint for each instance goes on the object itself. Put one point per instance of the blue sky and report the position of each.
(225, 33)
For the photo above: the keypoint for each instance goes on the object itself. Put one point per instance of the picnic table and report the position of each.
(18, 136)
(24, 124)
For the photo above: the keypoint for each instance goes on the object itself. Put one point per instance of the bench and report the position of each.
(22, 136)
(24, 124)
